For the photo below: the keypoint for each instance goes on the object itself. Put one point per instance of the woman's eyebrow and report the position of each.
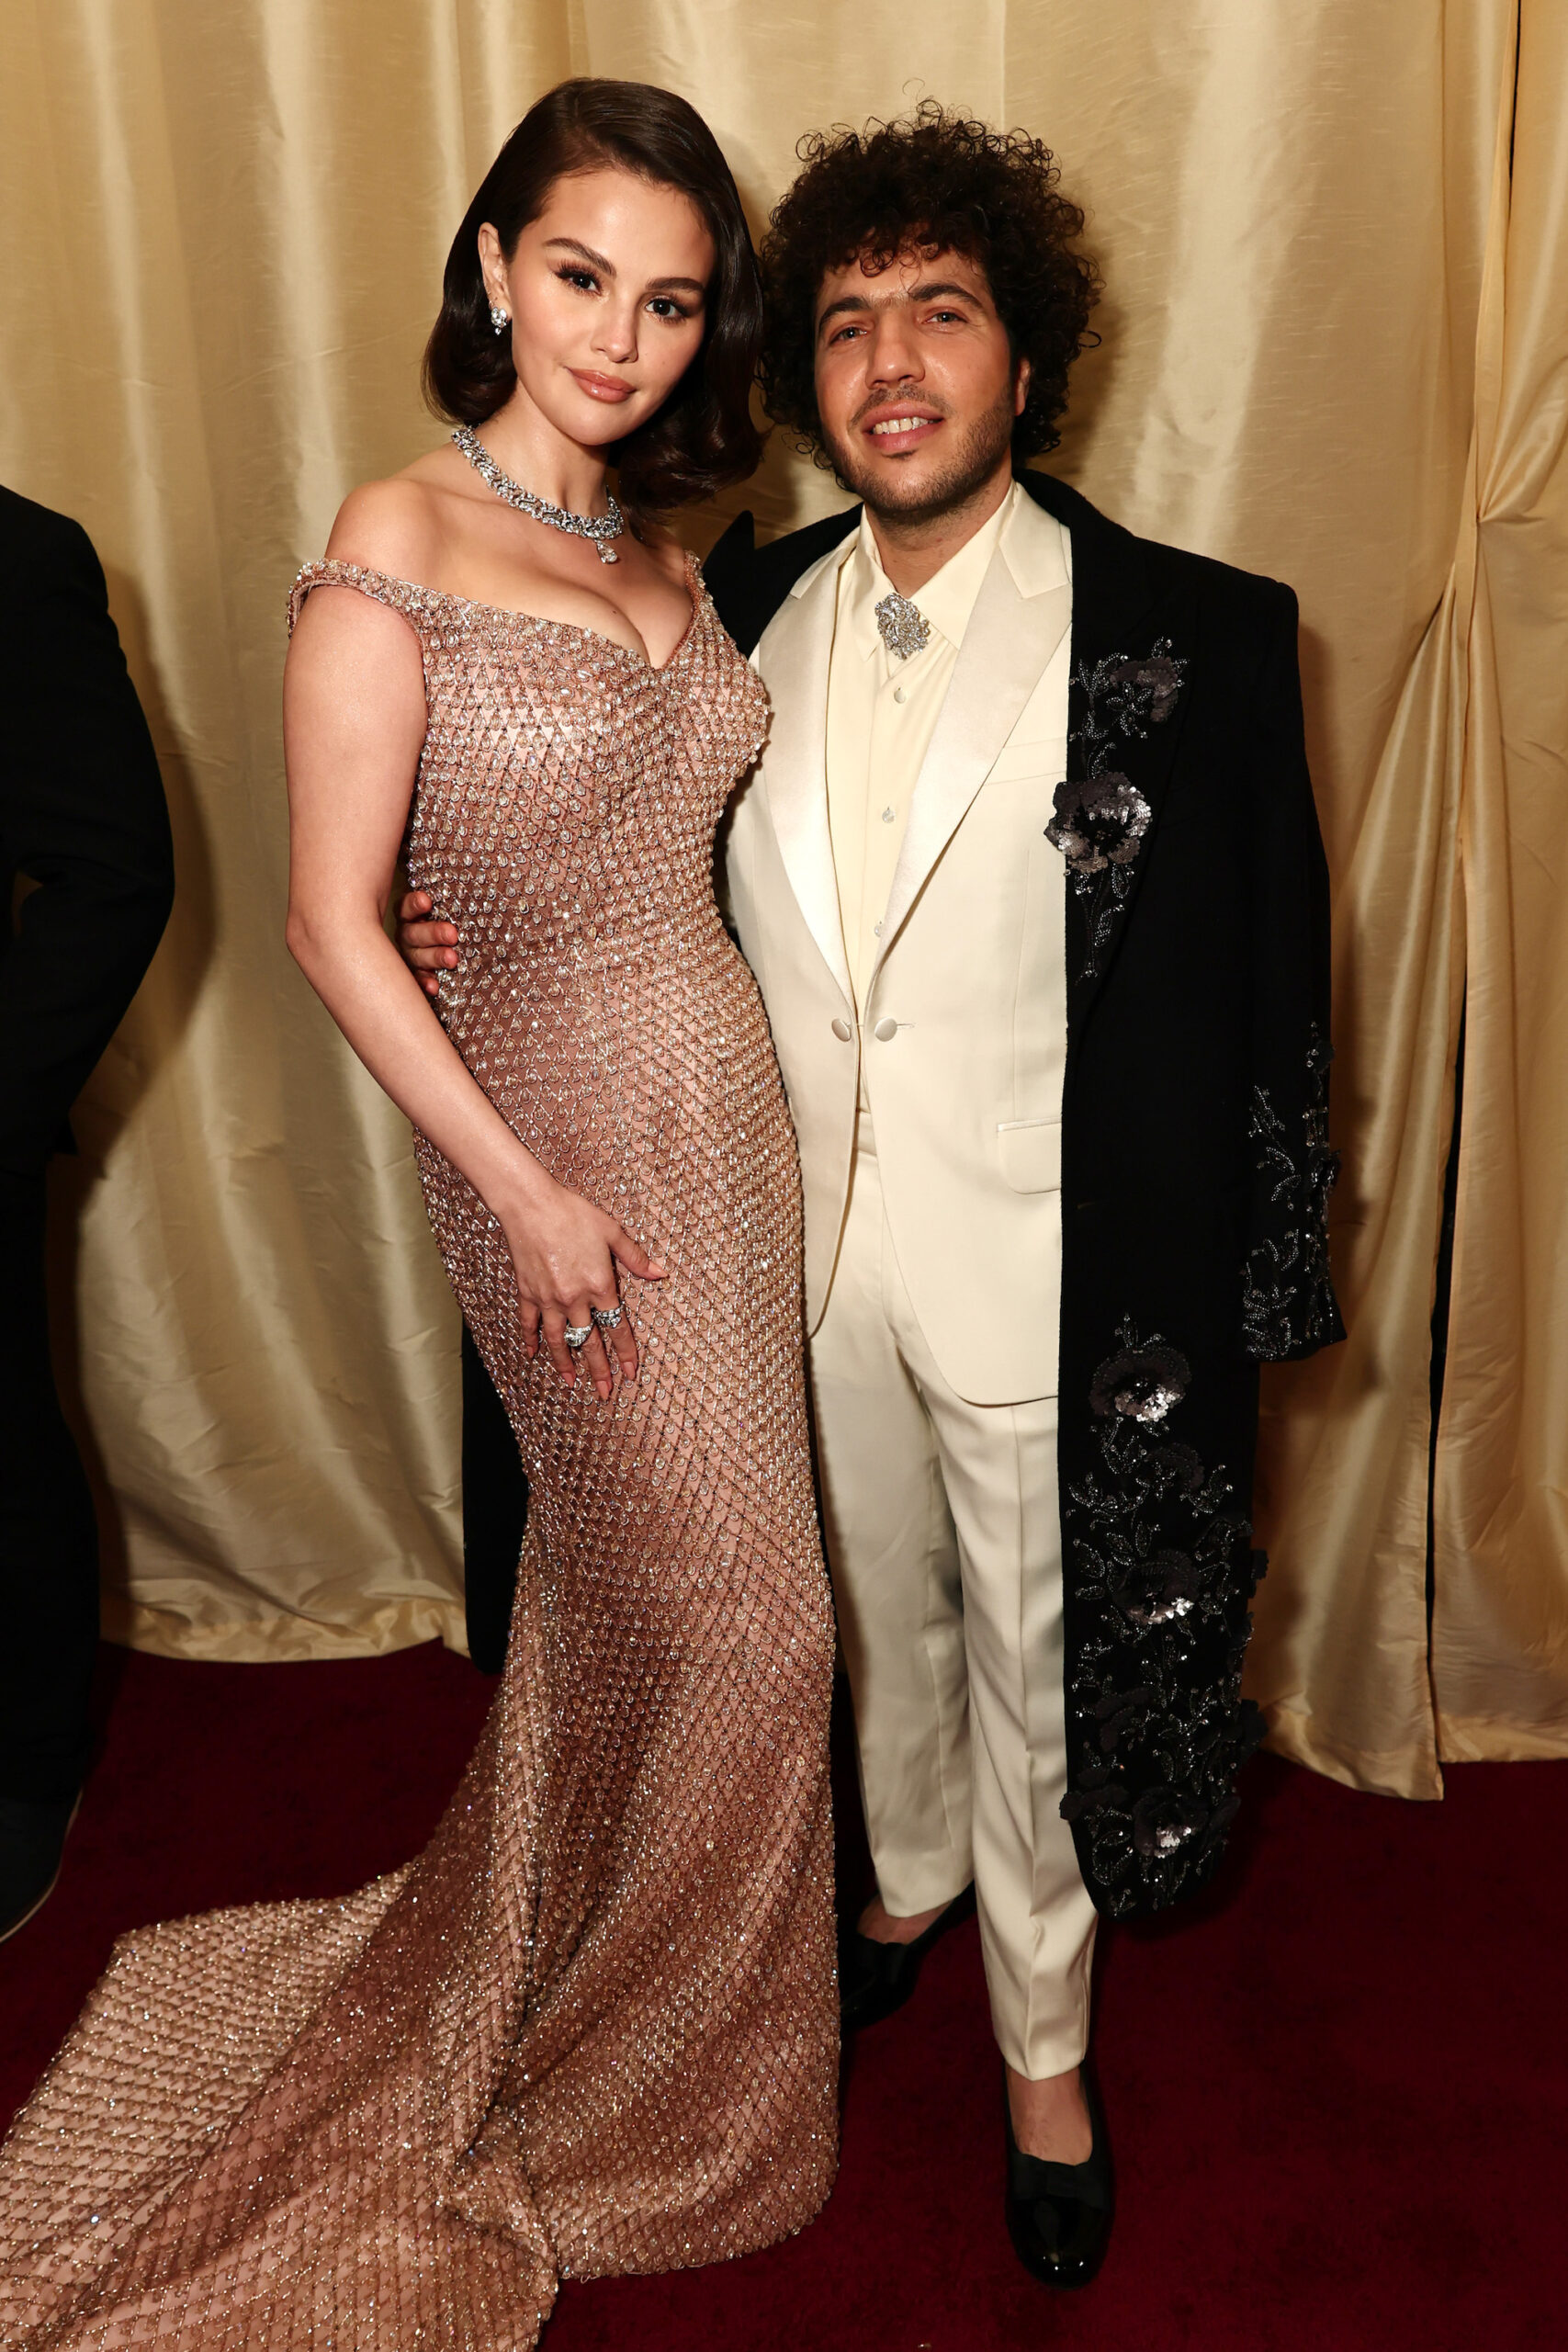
(575, 246)
(608, 268)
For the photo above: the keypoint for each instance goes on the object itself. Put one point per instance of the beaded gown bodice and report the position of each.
(593, 2028)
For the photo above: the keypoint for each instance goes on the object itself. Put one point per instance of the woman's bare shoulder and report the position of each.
(393, 526)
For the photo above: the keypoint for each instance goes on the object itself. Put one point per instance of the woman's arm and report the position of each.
(354, 719)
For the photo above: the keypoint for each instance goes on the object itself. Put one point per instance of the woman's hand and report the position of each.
(565, 1253)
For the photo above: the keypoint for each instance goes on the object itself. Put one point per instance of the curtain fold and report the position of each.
(1332, 351)
(1500, 1618)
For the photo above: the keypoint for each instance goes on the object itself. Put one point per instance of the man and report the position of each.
(1030, 877)
(83, 819)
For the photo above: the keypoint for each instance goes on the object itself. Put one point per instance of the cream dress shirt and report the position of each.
(881, 715)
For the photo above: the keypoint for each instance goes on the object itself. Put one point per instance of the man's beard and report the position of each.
(971, 464)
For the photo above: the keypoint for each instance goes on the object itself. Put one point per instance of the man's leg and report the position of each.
(49, 1576)
(1037, 1923)
(896, 1580)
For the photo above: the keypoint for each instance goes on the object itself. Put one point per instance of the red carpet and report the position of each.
(1336, 2090)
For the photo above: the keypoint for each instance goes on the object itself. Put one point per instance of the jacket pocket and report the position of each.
(1031, 1152)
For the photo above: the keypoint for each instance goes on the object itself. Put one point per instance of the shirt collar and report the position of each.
(948, 597)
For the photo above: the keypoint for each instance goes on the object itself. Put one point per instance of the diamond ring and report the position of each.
(608, 1318)
(577, 1335)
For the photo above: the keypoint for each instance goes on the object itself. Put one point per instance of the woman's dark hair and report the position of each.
(703, 436)
(934, 182)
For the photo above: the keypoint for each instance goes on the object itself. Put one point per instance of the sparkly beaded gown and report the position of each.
(593, 2028)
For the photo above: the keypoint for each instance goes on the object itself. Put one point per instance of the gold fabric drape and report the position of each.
(1500, 1622)
(1331, 351)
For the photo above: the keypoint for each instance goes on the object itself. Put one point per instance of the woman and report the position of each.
(593, 2028)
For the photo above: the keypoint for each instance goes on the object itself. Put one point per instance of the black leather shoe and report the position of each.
(875, 1979)
(32, 1838)
(1059, 2215)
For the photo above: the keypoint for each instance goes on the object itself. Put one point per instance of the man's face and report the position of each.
(916, 387)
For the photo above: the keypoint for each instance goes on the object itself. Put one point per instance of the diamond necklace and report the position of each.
(600, 528)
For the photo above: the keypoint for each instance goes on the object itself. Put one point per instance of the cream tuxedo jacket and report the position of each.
(964, 1031)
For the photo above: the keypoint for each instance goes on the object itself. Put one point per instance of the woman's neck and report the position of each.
(527, 447)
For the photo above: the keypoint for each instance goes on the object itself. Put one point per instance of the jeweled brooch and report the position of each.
(905, 628)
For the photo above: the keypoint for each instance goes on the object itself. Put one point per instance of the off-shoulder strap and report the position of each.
(415, 604)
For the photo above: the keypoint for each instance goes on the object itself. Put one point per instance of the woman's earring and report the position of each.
(498, 318)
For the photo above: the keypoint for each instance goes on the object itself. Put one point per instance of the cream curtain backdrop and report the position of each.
(1332, 352)
(1500, 1625)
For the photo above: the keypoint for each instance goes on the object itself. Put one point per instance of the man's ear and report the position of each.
(1020, 387)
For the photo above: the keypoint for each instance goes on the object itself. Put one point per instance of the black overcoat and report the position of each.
(81, 815)
(1195, 1159)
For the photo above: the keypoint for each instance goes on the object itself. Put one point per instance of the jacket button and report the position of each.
(841, 1030)
(885, 1030)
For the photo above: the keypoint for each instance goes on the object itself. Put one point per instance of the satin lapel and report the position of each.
(1006, 646)
(793, 655)
(1130, 687)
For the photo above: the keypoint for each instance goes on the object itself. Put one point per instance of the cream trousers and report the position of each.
(945, 1542)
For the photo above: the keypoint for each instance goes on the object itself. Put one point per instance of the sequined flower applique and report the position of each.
(1102, 817)
(1162, 1570)
(1287, 1292)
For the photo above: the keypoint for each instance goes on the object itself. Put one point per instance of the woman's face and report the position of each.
(606, 294)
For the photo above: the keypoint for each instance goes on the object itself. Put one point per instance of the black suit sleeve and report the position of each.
(82, 816)
(1289, 1309)
(726, 569)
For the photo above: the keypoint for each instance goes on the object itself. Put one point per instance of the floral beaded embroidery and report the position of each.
(1159, 1723)
(1102, 817)
(1287, 1292)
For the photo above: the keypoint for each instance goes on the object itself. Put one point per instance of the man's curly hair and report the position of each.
(933, 182)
